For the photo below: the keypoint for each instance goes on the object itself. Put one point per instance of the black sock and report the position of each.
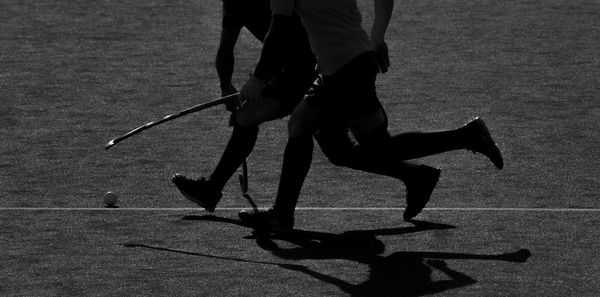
(240, 145)
(412, 145)
(297, 158)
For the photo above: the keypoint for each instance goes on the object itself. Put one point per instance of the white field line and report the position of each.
(498, 209)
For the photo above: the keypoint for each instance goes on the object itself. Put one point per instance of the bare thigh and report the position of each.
(254, 113)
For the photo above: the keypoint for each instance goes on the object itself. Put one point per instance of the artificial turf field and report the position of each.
(75, 74)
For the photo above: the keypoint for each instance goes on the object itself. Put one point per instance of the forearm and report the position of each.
(225, 59)
(225, 63)
(383, 14)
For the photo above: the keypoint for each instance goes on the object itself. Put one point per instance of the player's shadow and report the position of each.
(417, 226)
(324, 243)
(402, 273)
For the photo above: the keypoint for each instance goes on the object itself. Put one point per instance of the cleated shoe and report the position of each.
(266, 220)
(482, 142)
(419, 189)
(199, 191)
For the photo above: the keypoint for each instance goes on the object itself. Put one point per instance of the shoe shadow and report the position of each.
(213, 218)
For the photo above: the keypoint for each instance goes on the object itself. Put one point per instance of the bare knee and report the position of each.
(369, 123)
(246, 119)
(338, 158)
(336, 144)
(257, 112)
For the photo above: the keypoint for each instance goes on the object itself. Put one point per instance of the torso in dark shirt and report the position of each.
(255, 15)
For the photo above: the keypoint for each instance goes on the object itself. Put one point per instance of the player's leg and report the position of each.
(378, 155)
(243, 137)
(279, 99)
(473, 136)
(341, 150)
(297, 158)
(417, 144)
(367, 121)
(207, 192)
(352, 105)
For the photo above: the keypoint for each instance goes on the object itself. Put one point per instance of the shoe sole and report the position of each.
(408, 216)
(494, 154)
(246, 217)
(191, 198)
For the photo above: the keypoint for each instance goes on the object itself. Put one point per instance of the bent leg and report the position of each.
(420, 180)
(336, 144)
(254, 113)
(243, 137)
(376, 152)
(341, 150)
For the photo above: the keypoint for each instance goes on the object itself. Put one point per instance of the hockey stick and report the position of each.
(244, 186)
(187, 111)
(244, 177)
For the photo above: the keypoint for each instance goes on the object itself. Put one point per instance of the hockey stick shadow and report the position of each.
(164, 249)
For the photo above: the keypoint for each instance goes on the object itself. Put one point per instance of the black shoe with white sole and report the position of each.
(199, 191)
(418, 190)
(481, 142)
(267, 220)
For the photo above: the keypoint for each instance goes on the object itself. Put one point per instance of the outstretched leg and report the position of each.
(473, 136)
(206, 192)
(413, 145)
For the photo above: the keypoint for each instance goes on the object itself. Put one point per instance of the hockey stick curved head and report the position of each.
(109, 144)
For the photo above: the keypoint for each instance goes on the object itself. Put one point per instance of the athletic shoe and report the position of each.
(482, 142)
(419, 189)
(267, 220)
(199, 191)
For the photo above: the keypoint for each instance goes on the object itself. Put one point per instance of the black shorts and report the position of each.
(349, 94)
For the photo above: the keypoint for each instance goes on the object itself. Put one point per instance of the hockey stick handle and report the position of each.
(170, 117)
